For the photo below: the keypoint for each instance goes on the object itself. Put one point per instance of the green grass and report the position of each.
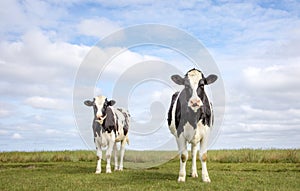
(74, 170)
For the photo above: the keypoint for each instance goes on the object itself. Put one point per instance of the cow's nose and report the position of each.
(195, 102)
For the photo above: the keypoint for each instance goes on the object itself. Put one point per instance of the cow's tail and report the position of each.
(126, 140)
(211, 115)
(174, 96)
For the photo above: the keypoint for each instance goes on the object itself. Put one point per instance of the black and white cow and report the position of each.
(190, 118)
(110, 126)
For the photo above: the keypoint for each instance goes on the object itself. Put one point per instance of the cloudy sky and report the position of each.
(255, 45)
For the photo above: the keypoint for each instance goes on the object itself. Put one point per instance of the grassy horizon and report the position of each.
(74, 170)
(222, 156)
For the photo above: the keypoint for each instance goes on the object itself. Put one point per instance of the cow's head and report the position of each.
(193, 93)
(100, 104)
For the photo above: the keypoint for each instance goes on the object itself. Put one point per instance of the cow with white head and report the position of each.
(110, 125)
(190, 119)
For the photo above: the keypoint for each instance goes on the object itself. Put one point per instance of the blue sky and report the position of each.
(255, 45)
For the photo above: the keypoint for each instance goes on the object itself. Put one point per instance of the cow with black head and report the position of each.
(190, 119)
(110, 126)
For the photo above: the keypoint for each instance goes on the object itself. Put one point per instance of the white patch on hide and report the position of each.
(188, 132)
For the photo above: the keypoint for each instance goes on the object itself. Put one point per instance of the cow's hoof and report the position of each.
(181, 179)
(205, 178)
(98, 172)
(108, 170)
(120, 169)
(195, 175)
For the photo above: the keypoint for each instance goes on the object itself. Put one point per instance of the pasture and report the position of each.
(74, 170)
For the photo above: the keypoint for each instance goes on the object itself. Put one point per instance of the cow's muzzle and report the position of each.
(195, 103)
(100, 119)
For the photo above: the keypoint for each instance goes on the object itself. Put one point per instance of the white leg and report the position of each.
(99, 157)
(183, 158)
(194, 158)
(116, 156)
(123, 143)
(205, 176)
(108, 156)
(203, 157)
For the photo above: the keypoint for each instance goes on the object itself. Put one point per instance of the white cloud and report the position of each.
(37, 47)
(99, 27)
(4, 112)
(45, 103)
(11, 15)
(273, 78)
(260, 115)
(16, 136)
(21, 16)
(52, 131)
(36, 64)
(126, 60)
(123, 3)
(3, 132)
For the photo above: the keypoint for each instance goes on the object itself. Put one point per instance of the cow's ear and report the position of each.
(211, 79)
(88, 103)
(177, 79)
(111, 102)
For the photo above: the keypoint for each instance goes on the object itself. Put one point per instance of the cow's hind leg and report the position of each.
(123, 143)
(183, 158)
(115, 149)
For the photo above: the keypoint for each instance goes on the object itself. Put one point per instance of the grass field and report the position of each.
(74, 170)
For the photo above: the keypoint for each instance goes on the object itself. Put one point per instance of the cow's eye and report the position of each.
(201, 84)
(95, 107)
(186, 85)
(188, 90)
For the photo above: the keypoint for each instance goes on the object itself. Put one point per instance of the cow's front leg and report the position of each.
(99, 158)
(205, 176)
(108, 156)
(183, 158)
(203, 158)
(194, 161)
(115, 149)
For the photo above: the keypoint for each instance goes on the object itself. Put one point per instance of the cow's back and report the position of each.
(122, 120)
